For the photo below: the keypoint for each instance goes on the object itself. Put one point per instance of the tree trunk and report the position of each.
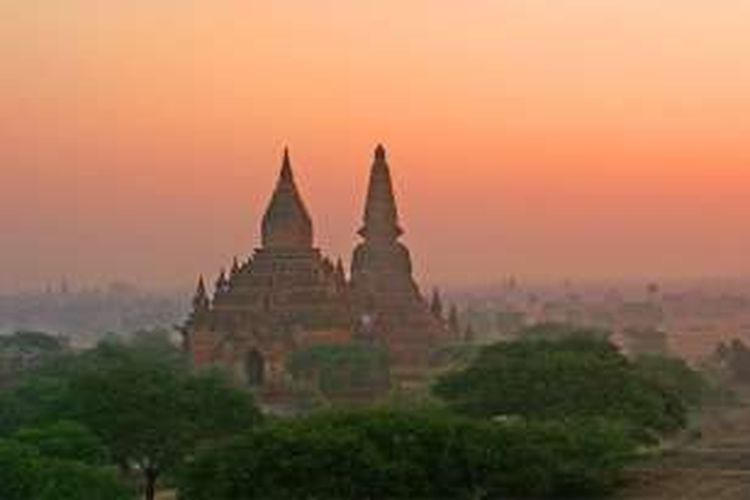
(151, 476)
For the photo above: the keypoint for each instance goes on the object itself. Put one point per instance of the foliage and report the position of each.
(25, 350)
(65, 440)
(18, 470)
(145, 404)
(544, 379)
(341, 370)
(26, 475)
(33, 401)
(674, 376)
(405, 455)
(150, 413)
(416, 398)
(59, 479)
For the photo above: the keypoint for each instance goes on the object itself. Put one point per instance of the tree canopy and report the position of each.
(27, 474)
(575, 376)
(145, 404)
(65, 440)
(407, 455)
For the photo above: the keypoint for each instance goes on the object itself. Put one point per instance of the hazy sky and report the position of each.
(140, 139)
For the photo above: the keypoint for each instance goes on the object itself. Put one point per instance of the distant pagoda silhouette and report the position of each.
(288, 296)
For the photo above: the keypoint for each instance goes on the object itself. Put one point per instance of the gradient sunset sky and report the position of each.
(140, 139)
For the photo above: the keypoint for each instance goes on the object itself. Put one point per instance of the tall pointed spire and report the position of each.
(381, 214)
(286, 223)
(286, 167)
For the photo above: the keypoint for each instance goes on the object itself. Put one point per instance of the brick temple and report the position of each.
(288, 296)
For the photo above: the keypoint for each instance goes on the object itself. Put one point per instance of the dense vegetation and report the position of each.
(143, 404)
(407, 455)
(577, 376)
(24, 350)
(27, 473)
(674, 376)
(558, 413)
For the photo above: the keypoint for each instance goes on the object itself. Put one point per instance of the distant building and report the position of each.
(288, 296)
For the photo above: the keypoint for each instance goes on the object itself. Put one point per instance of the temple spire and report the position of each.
(286, 168)
(286, 223)
(340, 274)
(436, 306)
(381, 213)
(200, 300)
(221, 282)
(379, 153)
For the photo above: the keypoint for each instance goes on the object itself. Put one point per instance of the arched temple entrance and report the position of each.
(254, 368)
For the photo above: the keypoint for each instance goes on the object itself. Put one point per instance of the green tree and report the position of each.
(406, 455)
(70, 480)
(25, 350)
(545, 379)
(146, 404)
(65, 440)
(37, 399)
(26, 475)
(18, 470)
(674, 376)
(151, 412)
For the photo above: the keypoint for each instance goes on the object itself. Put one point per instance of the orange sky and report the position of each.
(546, 138)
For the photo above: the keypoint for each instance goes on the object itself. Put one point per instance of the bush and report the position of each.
(578, 377)
(399, 455)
